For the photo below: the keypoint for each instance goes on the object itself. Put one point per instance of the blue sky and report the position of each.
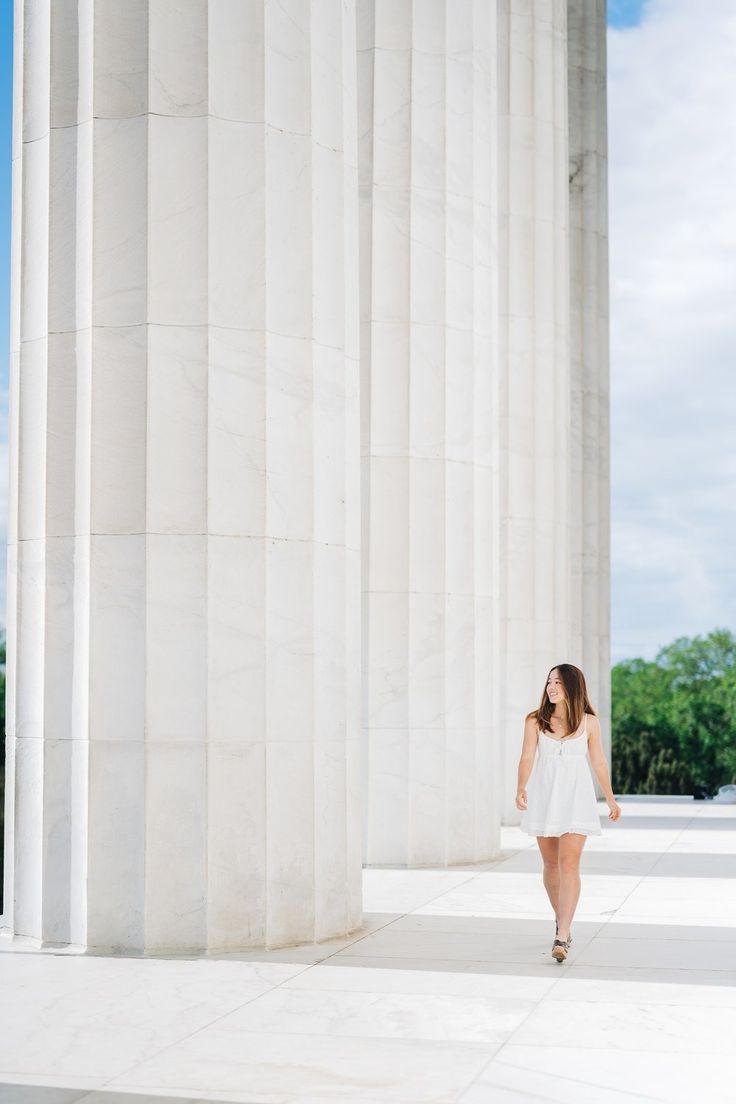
(672, 161)
(672, 164)
(625, 13)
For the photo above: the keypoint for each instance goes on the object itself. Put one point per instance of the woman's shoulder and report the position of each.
(592, 722)
(532, 722)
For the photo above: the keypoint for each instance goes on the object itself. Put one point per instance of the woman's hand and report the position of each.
(521, 800)
(615, 812)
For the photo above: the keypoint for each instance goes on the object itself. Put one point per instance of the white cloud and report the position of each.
(672, 161)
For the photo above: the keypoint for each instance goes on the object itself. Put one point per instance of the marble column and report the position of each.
(184, 546)
(427, 157)
(586, 36)
(536, 519)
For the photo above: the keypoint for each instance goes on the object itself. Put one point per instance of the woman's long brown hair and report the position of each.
(576, 693)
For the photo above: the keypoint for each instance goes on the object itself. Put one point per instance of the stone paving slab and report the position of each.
(447, 995)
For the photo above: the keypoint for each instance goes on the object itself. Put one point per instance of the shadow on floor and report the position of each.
(643, 952)
(655, 864)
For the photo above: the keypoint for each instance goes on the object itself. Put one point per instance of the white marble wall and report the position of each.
(428, 364)
(184, 562)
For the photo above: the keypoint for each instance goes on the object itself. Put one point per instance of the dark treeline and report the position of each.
(673, 720)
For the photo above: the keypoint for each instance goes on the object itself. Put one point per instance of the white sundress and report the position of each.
(560, 793)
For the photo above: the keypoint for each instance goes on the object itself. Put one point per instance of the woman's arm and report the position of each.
(526, 761)
(600, 766)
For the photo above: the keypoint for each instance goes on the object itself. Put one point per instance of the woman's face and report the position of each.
(555, 689)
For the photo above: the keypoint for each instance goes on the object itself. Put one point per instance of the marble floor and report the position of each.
(448, 993)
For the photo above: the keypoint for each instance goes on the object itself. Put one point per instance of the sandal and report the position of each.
(557, 928)
(560, 948)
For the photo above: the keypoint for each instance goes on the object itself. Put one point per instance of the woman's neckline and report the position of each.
(566, 739)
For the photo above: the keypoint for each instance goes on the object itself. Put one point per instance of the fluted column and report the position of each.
(184, 564)
(586, 23)
(536, 518)
(429, 425)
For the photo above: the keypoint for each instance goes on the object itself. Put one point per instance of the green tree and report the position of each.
(674, 718)
(2, 761)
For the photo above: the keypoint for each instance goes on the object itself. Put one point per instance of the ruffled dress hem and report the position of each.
(581, 829)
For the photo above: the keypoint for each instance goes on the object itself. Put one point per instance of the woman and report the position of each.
(561, 808)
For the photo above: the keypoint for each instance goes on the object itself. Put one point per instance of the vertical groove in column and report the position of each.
(384, 98)
(589, 352)
(429, 352)
(334, 224)
(12, 587)
(576, 19)
(533, 271)
(504, 713)
(175, 747)
(453, 834)
(353, 792)
(485, 422)
(115, 696)
(566, 520)
(289, 439)
(365, 88)
(67, 472)
(29, 642)
(603, 565)
(312, 885)
(236, 874)
(428, 738)
(516, 385)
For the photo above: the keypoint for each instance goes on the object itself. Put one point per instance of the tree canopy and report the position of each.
(673, 719)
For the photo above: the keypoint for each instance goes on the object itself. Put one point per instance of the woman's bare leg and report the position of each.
(549, 846)
(571, 848)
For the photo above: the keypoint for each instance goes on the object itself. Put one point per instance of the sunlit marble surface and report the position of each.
(448, 993)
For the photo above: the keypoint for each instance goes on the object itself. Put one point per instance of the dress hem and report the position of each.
(582, 831)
